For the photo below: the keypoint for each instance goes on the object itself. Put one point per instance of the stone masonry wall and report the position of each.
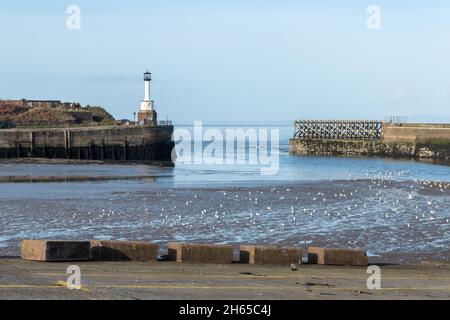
(124, 143)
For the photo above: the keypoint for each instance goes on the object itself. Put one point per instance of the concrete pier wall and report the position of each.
(415, 132)
(424, 141)
(109, 143)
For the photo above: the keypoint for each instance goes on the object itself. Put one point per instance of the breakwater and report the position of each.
(410, 140)
(133, 143)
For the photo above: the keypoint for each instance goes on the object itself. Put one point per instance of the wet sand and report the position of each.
(55, 161)
(70, 178)
(397, 222)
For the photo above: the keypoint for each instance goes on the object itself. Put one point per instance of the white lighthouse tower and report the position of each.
(147, 103)
(147, 114)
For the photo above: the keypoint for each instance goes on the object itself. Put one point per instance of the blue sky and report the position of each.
(233, 61)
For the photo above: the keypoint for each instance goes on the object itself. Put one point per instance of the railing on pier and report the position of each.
(165, 123)
(338, 130)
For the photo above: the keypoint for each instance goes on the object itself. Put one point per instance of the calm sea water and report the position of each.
(397, 209)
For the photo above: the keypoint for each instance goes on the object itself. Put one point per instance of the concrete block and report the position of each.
(57, 251)
(200, 253)
(270, 255)
(123, 251)
(338, 257)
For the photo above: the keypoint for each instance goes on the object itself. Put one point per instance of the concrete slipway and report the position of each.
(170, 280)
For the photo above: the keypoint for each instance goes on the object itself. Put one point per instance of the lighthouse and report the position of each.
(147, 114)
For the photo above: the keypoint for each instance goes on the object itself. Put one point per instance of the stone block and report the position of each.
(337, 256)
(123, 251)
(55, 251)
(200, 253)
(270, 255)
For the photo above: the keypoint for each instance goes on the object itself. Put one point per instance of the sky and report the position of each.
(236, 60)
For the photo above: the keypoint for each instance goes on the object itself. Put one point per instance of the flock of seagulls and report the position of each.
(345, 204)
(378, 201)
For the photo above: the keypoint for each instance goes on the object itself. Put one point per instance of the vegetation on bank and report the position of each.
(22, 114)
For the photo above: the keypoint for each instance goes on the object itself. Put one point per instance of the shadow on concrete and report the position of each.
(383, 264)
(9, 257)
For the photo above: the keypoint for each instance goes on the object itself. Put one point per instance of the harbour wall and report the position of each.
(422, 141)
(148, 144)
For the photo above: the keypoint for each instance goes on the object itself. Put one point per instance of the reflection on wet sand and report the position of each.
(71, 178)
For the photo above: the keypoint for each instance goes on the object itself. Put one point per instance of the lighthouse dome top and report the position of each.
(147, 76)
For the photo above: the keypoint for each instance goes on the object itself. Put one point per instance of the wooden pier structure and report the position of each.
(366, 130)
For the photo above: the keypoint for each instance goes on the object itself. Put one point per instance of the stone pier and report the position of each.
(131, 143)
